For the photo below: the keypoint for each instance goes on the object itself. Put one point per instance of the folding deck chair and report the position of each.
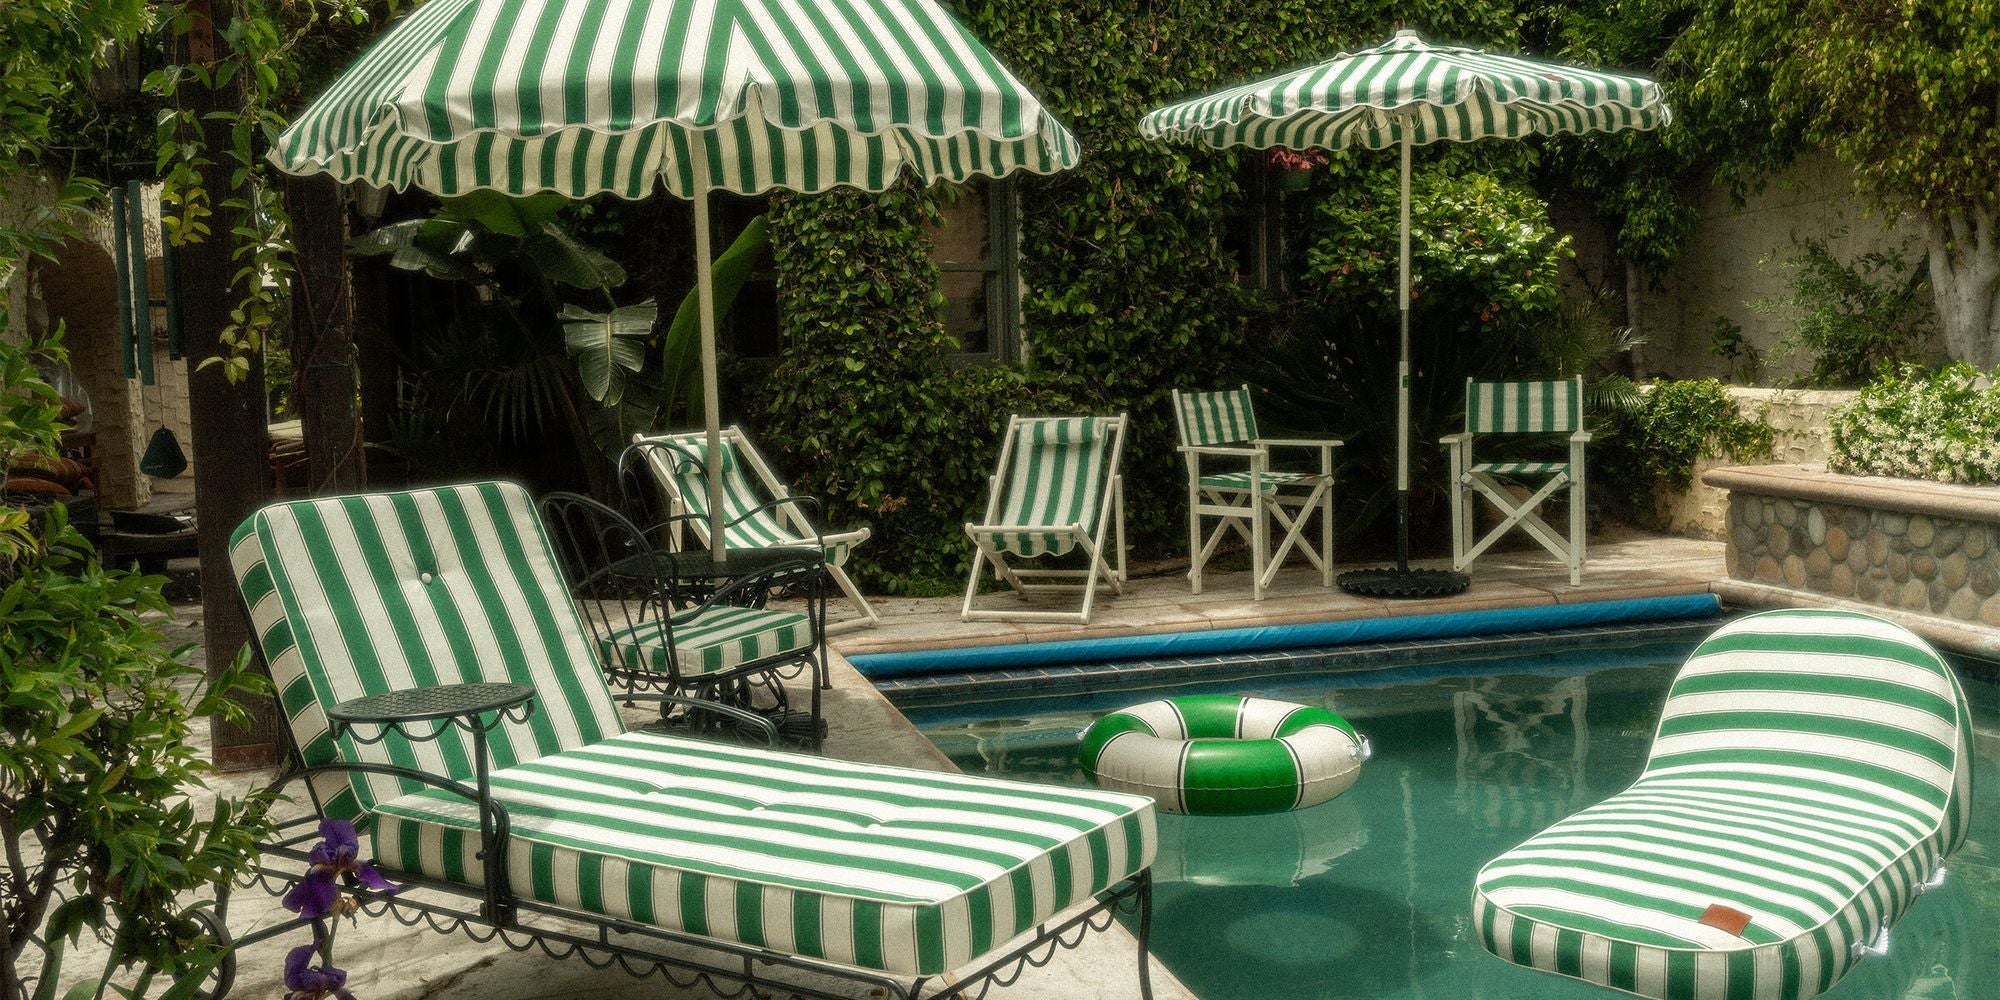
(671, 852)
(1518, 408)
(1811, 774)
(1223, 425)
(758, 513)
(1056, 489)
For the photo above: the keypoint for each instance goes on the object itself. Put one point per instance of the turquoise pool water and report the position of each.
(1367, 896)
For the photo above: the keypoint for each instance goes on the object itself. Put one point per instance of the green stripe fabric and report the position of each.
(1521, 468)
(1215, 418)
(1269, 480)
(1524, 407)
(1810, 770)
(720, 639)
(1058, 477)
(1376, 97)
(687, 485)
(909, 872)
(366, 594)
(617, 96)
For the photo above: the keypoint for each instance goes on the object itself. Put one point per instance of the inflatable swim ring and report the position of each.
(1224, 755)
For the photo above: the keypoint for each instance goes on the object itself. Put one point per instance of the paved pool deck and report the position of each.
(390, 962)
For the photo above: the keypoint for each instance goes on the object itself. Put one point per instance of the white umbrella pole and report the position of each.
(1403, 375)
(711, 403)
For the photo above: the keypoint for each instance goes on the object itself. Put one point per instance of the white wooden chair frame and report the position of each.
(1249, 512)
(1467, 479)
(838, 545)
(1090, 539)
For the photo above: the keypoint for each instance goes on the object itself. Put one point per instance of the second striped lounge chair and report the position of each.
(669, 851)
(1811, 774)
(1518, 409)
(1056, 490)
(758, 511)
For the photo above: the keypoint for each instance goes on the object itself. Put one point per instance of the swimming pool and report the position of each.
(1369, 895)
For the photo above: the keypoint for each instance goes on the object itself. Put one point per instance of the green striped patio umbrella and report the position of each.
(584, 97)
(1408, 92)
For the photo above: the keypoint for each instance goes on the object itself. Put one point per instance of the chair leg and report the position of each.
(1197, 555)
(1576, 532)
(1326, 535)
(846, 584)
(1260, 542)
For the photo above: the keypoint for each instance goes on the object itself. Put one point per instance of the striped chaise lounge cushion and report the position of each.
(908, 872)
(1811, 770)
(723, 638)
(911, 872)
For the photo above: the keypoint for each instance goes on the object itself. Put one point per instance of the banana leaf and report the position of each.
(608, 345)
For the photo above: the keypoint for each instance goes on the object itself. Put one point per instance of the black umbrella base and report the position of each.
(1391, 582)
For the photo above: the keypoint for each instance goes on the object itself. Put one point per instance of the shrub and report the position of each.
(1944, 426)
(1853, 317)
(1674, 425)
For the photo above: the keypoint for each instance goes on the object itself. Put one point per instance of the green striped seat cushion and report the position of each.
(909, 872)
(1810, 770)
(1271, 480)
(718, 640)
(1056, 478)
(359, 595)
(1521, 468)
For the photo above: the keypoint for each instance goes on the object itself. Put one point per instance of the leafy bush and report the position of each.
(1674, 425)
(1944, 426)
(98, 834)
(1853, 317)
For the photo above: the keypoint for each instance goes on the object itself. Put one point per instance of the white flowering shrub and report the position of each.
(1944, 427)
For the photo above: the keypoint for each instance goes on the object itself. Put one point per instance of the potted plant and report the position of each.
(1294, 167)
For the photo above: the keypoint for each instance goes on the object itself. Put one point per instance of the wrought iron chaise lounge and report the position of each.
(1056, 489)
(719, 860)
(1811, 774)
(758, 513)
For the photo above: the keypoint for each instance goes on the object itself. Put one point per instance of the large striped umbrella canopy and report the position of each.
(585, 97)
(1407, 93)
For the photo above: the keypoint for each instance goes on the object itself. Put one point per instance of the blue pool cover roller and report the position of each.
(1215, 642)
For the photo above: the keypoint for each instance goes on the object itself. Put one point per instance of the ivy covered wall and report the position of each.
(1130, 290)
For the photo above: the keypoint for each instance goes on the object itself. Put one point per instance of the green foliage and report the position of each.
(1484, 259)
(99, 836)
(1853, 317)
(1942, 426)
(1675, 425)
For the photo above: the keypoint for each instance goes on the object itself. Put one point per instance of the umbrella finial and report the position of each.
(1410, 33)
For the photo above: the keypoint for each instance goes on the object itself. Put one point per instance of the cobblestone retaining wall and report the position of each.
(1924, 549)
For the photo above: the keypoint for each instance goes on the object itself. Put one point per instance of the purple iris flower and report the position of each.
(305, 981)
(336, 855)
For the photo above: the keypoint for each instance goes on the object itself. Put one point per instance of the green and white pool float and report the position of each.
(1225, 755)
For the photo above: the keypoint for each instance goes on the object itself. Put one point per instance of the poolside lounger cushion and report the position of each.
(909, 872)
(904, 871)
(1811, 770)
(722, 638)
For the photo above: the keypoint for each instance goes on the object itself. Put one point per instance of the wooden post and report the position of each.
(323, 335)
(231, 471)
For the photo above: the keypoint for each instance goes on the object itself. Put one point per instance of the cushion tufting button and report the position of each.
(427, 578)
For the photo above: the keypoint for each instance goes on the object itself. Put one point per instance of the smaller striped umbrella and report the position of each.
(1407, 92)
(586, 97)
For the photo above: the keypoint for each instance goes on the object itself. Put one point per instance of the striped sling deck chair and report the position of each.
(758, 511)
(1516, 409)
(1056, 490)
(1811, 774)
(754, 858)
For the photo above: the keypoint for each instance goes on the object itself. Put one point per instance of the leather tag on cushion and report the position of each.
(1725, 918)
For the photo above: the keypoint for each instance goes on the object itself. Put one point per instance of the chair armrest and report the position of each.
(1209, 449)
(1302, 442)
(1457, 440)
(761, 725)
(1580, 437)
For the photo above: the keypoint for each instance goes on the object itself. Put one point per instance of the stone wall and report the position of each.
(1799, 420)
(1922, 548)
